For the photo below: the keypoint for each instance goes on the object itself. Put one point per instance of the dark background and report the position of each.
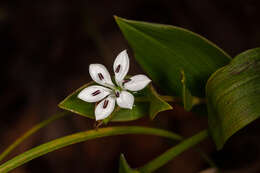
(46, 47)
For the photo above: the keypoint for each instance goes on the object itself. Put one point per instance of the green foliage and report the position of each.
(147, 103)
(188, 100)
(124, 167)
(32, 131)
(173, 152)
(80, 137)
(163, 51)
(233, 94)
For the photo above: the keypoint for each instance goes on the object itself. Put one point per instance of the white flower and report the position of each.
(110, 93)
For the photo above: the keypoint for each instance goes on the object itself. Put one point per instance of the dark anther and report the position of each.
(101, 77)
(96, 93)
(117, 94)
(105, 104)
(118, 68)
(126, 80)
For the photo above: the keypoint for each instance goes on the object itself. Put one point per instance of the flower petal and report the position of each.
(93, 93)
(121, 66)
(105, 108)
(136, 83)
(125, 100)
(100, 75)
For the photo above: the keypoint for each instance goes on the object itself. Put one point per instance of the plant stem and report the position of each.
(30, 132)
(173, 152)
(196, 100)
(80, 137)
(165, 98)
(169, 98)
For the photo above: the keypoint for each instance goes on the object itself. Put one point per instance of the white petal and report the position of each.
(100, 75)
(125, 100)
(137, 82)
(105, 108)
(121, 66)
(93, 93)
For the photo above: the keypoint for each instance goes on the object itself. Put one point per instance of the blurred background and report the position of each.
(46, 48)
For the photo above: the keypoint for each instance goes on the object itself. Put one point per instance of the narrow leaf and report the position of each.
(173, 152)
(233, 94)
(124, 167)
(164, 50)
(80, 137)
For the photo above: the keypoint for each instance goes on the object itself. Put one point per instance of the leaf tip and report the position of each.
(123, 165)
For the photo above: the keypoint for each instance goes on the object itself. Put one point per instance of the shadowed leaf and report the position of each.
(233, 94)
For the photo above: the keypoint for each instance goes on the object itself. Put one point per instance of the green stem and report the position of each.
(165, 98)
(173, 152)
(30, 132)
(80, 137)
(169, 98)
(196, 100)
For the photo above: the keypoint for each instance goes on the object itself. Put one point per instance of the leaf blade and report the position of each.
(80, 137)
(233, 94)
(124, 167)
(162, 56)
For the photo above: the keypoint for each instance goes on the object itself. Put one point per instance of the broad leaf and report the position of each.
(233, 94)
(147, 103)
(164, 50)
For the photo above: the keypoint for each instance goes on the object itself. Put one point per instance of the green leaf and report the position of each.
(187, 98)
(30, 132)
(164, 50)
(157, 104)
(233, 94)
(147, 103)
(80, 137)
(124, 167)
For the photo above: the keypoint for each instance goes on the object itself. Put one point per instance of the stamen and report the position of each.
(101, 77)
(126, 80)
(105, 104)
(117, 94)
(118, 68)
(96, 93)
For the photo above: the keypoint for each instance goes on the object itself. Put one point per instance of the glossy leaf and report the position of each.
(147, 103)
(233, 94)
(80, 137)
(164, 50)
